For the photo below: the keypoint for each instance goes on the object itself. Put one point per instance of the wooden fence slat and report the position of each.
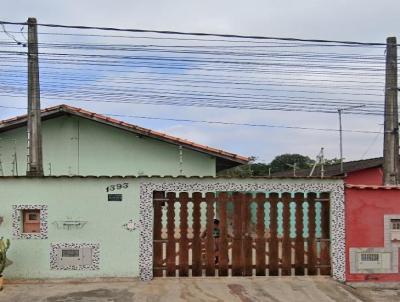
(196, 244)
(183, 241)
(247, 241)
(223, 260)
(273, 240)
(286, 241)
(311, 245)
(171, 246)
(237, 267)
(260, 241)
(299, 243)
(324, 245)
(210, 244)
(157, 228)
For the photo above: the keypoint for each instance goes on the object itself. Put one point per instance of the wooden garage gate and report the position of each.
(262, 234)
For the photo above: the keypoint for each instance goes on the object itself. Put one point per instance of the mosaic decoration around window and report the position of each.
(17, 222)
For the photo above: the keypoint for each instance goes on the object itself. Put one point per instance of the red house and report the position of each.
(372, 220)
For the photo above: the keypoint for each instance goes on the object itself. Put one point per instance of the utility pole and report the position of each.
(391, 133)
(35, 160)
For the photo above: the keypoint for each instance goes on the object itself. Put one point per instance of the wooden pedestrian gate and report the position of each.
(262, 234)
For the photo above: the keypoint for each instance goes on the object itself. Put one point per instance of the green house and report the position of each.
(79, 142)
(97, 213)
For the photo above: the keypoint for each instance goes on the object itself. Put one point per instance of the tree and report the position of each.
(239, 171)
(333, 161)
(260, 169)
(280, 163)
(286, 162)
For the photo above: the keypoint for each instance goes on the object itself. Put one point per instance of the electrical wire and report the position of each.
(253, 73)
(202, 34)
(228, 123)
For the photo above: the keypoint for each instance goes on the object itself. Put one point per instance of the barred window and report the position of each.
(70, 253)
(369, 257)
(395, 224)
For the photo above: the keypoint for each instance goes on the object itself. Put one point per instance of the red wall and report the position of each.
(365, 209)
(371, 176)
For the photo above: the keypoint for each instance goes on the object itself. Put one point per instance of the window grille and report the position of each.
(369, 257)
(395, 224)
(70, 253)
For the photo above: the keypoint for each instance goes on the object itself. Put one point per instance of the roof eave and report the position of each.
(56, 111)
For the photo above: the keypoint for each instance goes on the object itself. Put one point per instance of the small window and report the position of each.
(369, 257)
(70, 253)
(395, 224)
(31, 221)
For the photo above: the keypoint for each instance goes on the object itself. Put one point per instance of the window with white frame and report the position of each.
(395, 224)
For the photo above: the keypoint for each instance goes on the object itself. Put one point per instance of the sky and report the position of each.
(357, 20)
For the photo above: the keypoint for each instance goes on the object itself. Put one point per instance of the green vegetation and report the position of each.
(4, 246)
(280, 163)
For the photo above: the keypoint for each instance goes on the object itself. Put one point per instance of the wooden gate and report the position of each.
(262, 234)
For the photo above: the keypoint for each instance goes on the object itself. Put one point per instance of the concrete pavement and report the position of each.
(273, 289)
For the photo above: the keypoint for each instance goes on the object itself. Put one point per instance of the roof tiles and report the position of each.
(20, 120)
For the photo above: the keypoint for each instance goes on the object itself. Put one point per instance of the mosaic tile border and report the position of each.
(95, 256)
(337, 214)
(17, 222)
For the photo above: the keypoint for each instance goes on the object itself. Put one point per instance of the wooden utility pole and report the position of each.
(35, 160)
(391, 135)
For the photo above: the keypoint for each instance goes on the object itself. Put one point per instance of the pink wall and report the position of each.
(365, 209)
(371, 176)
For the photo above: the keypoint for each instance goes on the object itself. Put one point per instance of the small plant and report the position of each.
(4, 246)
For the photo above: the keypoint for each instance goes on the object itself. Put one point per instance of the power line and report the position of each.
(198, 95)
(186, 78)
(180, 33)
(227, 123)
(371, 144)
(189, 102)
(183, 82)
(238, 50)
(201, 60)
(290, 44)
(12, 36)
(206, 75)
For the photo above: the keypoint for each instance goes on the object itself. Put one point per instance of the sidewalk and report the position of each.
(274, 289)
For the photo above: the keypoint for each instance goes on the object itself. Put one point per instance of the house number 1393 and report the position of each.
(117, 187)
